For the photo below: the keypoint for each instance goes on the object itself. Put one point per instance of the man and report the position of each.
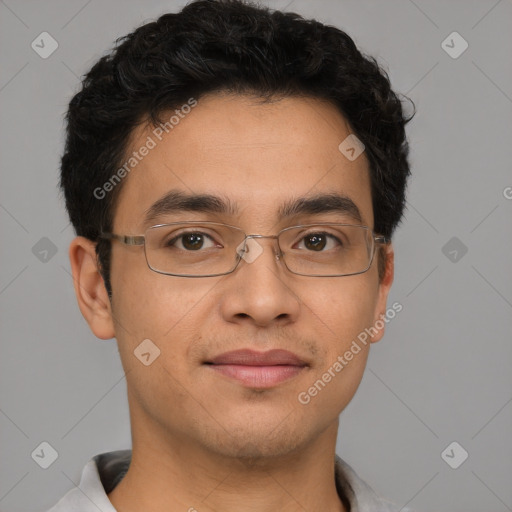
(234, 176)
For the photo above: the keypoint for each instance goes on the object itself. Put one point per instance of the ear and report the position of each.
(90, 290)
(388, 255)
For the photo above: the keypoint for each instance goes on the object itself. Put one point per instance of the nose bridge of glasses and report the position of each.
(277, 249)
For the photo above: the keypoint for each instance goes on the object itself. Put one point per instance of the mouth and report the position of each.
(258, 369)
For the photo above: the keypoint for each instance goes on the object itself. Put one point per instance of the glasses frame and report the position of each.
(138, 240)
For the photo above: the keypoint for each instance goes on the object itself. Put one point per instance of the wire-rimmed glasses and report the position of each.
(208, 249)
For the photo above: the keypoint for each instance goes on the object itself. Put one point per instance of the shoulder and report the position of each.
(361, 496)
(99, 476)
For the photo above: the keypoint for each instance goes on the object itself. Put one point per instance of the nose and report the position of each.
(260, 290)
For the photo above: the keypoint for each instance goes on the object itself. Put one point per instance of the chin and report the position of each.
(256, 452)
(257, 443)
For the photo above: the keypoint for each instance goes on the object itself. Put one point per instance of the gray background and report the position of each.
(442, 372)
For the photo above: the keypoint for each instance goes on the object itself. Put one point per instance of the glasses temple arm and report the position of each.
(379, 239)
(125, 239)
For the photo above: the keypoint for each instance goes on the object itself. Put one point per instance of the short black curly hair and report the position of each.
(230, 46)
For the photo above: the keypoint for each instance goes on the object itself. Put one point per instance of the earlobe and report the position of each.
(90, 290)
(385, 283)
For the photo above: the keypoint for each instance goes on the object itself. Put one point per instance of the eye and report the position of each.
(192, 241)
(319, 241)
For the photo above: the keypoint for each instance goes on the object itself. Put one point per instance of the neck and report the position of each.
(175, 474)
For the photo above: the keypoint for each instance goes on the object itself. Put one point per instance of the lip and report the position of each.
(248, 357)
(258, 369)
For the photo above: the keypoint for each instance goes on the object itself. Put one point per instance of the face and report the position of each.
(257, 156)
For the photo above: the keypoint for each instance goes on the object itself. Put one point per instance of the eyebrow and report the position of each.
(178, 201)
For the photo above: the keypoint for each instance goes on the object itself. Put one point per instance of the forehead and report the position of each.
(256, 156)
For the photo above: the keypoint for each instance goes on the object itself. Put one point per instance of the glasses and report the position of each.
(208, 249)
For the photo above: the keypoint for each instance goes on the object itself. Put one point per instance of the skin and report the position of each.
(201, 440)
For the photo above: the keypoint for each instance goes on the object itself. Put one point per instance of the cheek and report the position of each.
(343, 307)
(163, 309)
(339, 313)
(144, 302)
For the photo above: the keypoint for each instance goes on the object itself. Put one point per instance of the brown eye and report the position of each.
(317, 242)
(192, 241)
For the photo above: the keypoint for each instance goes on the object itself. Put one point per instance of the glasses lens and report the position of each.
(193, 248)
(327, 250)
